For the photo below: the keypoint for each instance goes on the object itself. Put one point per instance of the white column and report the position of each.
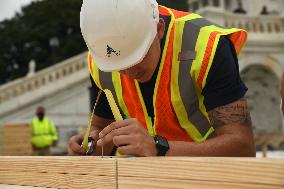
(210, 3)
(200, 4)
(222, 4)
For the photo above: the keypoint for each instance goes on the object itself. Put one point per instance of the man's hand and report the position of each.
(74, 145)
(130, 137)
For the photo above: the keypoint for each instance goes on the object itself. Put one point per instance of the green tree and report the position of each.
(29, 35)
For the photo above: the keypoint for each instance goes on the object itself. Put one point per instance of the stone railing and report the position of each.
(40, 79)
(221, 13)
(264, 24)
(195, 5)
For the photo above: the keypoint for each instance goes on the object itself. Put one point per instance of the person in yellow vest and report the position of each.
(44, 133)
(174, 76)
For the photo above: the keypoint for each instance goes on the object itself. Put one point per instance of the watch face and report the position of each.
(162, 142)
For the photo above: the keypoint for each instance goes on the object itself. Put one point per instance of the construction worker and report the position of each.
(175, 78)
(44, 133)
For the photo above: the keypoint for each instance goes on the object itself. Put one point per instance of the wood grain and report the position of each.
(201, 173)
(4, 186)
(156, 172)
(59, 172)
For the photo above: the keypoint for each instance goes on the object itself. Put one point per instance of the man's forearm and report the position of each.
(226, 145)
(233, 134)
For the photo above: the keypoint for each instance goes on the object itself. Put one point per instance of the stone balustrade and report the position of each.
(264, 24)
(195, 5)
(43, 78)
(268, 24)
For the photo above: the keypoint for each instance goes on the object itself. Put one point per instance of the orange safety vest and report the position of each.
(180, 114)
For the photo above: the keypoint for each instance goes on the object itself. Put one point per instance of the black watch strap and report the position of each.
(162, 145)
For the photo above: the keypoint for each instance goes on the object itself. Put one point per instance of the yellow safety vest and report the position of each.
(44, 132)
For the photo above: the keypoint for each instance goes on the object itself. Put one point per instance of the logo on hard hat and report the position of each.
(111, 52)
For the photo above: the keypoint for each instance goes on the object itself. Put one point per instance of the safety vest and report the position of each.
(44, 132)
(179, 110)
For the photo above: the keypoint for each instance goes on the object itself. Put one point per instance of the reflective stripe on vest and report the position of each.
(190, 99)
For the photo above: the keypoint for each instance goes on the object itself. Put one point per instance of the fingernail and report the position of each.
(100, 134)
(99, 143)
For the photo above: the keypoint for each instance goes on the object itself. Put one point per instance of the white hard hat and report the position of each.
(118, 33)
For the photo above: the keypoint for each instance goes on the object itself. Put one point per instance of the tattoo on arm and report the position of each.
(234, 113)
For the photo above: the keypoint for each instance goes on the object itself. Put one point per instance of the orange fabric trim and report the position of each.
(178, 14)
(90, 63)
(131, 100)
(237, 39)
(206, 58)
(163, 11)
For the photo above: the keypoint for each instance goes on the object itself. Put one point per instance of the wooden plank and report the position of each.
(146, 183)
(19, 132)
(59, 172)
(201, 173)
(4, 186)
(19, 141)
(16, 125)
(164, 173)
(22, 152)
(16, 146)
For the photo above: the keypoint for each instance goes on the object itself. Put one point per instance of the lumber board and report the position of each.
(19, 141)
(22, 152)
(17, 134)
(4, 186)
(59, 172)
(16, 146)
(17, 125)
(201, 173)
(155, 172)
(146, 183)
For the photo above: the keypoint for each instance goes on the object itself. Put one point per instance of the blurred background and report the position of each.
(43, 63)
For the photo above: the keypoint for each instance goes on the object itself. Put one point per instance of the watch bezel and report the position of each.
(162, 145)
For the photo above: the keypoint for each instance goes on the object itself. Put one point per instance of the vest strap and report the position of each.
(186, 55)
(186, 84)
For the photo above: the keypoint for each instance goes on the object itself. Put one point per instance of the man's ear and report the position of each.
(161, 28)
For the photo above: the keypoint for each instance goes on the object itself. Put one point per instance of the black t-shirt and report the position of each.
(223, 84)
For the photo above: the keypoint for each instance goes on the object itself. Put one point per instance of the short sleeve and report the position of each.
(223, 84)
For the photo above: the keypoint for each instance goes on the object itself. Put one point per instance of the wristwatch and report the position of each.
(162, 145)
